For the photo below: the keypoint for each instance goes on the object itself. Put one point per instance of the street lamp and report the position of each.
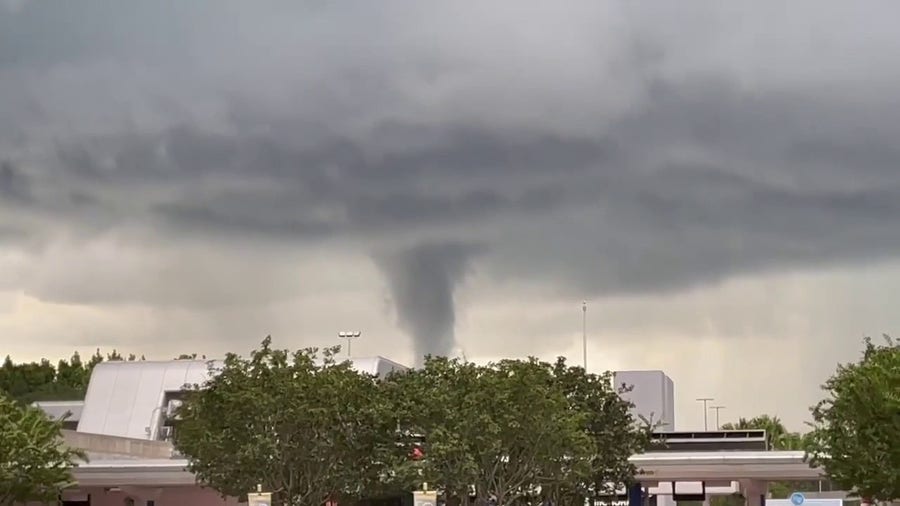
(349, 336)
(717, 408)
(704, 400)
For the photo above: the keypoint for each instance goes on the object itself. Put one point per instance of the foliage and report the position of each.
(779, 438)
(613, 432)
(856, 428)
(304, 429)
(34, 463)
(514, 430)
(310, 430)
(41, 381)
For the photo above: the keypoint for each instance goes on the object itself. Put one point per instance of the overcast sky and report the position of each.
(721, 182)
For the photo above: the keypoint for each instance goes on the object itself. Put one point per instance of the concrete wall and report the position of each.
(117, 446)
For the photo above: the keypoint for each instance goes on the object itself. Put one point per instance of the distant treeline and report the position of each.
(66, 381)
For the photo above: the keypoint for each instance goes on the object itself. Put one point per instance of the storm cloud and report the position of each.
(592, 149)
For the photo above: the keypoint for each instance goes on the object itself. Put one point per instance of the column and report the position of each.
(636, 495)
(754, 492)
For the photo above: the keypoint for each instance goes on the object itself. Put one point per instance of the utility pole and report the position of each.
(717, 409)
(349, 336)
(705, 400)
(584, 333)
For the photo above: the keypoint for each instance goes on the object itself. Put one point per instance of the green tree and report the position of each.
(778, 438)
(440, 401)
(615, 435)
(41, 381)
(34, 463)
(306, 430)
(508, 430)
(856, 428)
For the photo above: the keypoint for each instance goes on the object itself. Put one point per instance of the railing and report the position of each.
(723, 440)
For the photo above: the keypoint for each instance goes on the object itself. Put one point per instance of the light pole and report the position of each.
(717, 408)
(349, 336)
(584, 333)
(705, 400)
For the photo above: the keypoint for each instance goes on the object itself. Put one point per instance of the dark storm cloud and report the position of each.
(602, 173)
(422, 280)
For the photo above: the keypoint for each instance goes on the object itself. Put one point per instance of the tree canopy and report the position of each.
(309, 428)
(42, 381)
(779, 438)
(35, 465)
(856, 428)
(305, 429)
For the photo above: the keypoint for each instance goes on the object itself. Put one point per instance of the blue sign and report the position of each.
(797, 498)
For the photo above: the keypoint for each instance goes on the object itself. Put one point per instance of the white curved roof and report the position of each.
(124, 398)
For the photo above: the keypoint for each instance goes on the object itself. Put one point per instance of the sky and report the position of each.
(720, 183)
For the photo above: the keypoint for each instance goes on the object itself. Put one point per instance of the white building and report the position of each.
(653, 396)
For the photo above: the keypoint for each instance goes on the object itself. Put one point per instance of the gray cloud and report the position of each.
(14, 185)
(618, 159)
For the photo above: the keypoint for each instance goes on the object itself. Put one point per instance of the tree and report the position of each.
(34, 463)
(856, 428)
(614, 433)
(306, 430)
(777, 435)
(40, 381)
(778, 438)
(511, 430)
(438, 405)
(532, 436)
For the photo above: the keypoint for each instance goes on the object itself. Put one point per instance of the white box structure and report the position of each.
(653, 396)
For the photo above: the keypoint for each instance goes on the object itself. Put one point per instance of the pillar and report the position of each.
(636, 495)
(754, 492)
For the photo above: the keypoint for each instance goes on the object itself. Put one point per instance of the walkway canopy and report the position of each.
(654, 466)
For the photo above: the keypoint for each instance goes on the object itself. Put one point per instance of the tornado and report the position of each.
(422, 280)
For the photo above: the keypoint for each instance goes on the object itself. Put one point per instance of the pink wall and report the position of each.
(169, 496)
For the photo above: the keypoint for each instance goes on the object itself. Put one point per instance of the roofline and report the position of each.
(653, 467)
(111, 363)
(108, 363)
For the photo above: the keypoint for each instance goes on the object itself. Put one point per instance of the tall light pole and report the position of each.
(349, 336)
(584, 332)
(705, 400)
(717, 409)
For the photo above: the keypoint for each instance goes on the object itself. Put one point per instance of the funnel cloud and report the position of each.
(422, 281)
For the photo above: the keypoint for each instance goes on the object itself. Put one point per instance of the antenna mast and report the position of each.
(584, 332)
